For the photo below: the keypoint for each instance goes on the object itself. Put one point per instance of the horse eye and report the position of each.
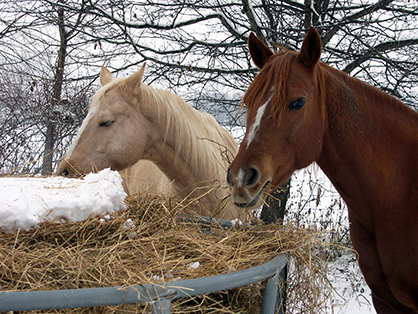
(106, 123)
(297, 104)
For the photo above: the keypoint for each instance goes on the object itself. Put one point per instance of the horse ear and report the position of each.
(135, 80)
(259, 52)
(311, 48)
(105, 76)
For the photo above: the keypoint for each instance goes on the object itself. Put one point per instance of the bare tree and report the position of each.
(33, 50)
(198, 48)
(201, 45)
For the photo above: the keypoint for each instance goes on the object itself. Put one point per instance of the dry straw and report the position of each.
(148, 243)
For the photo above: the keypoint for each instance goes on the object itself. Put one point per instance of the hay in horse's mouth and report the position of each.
(256, 198)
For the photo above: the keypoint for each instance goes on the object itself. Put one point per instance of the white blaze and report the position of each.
(240, 178)
(93, 110)
(256, 124)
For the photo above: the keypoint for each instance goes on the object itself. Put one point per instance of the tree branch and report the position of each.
(373, 51)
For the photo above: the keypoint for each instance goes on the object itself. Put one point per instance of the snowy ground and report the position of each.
(352, 295)
(25, 202)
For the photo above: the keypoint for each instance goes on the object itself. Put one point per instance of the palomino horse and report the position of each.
(300, 110)
(129, 121)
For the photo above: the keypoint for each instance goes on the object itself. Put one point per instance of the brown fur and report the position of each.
(144, 123)
(366, 143)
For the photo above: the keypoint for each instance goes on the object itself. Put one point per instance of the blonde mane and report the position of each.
(197, 134)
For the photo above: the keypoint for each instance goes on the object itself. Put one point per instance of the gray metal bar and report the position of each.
(211, 222)
(192, 287)
(72, 298)
(162, 306)
(282, 295)
(268, 304)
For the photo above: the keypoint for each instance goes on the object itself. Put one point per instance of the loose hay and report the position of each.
(148, 243)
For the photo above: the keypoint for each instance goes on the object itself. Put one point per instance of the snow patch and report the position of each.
(25, 202)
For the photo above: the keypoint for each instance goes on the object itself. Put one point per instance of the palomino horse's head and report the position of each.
(285, 119)
(107, 135)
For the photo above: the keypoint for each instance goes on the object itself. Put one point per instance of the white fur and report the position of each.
(93, 110)
(240, 178)
(256, 124)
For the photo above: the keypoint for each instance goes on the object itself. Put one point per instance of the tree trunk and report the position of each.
(274, 209)
(56, 97)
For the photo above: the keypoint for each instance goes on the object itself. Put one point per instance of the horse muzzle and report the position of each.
(67, 170)
(247, 187)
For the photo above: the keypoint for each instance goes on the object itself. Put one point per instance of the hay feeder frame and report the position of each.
(160, 295)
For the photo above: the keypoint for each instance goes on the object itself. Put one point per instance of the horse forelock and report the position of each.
(93, 110)
(97, 97)
(272, 77)
(272, 82)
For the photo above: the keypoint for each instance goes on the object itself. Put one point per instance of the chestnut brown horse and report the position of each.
(299, 111)
(136, 128)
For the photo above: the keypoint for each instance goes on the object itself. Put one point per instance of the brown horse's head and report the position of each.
(107, 135)
(285, 119)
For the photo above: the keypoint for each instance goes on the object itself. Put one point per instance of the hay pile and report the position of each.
(149, 243)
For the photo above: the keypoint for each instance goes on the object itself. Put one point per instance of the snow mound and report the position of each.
(25, 202)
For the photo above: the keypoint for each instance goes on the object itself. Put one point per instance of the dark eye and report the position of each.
(297, 104)
(106, 123)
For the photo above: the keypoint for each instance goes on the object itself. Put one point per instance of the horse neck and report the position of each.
(189, 146)
(369, 142)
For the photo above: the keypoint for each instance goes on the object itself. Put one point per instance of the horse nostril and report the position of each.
(228, 180)
(65, 172)
(252, 177)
